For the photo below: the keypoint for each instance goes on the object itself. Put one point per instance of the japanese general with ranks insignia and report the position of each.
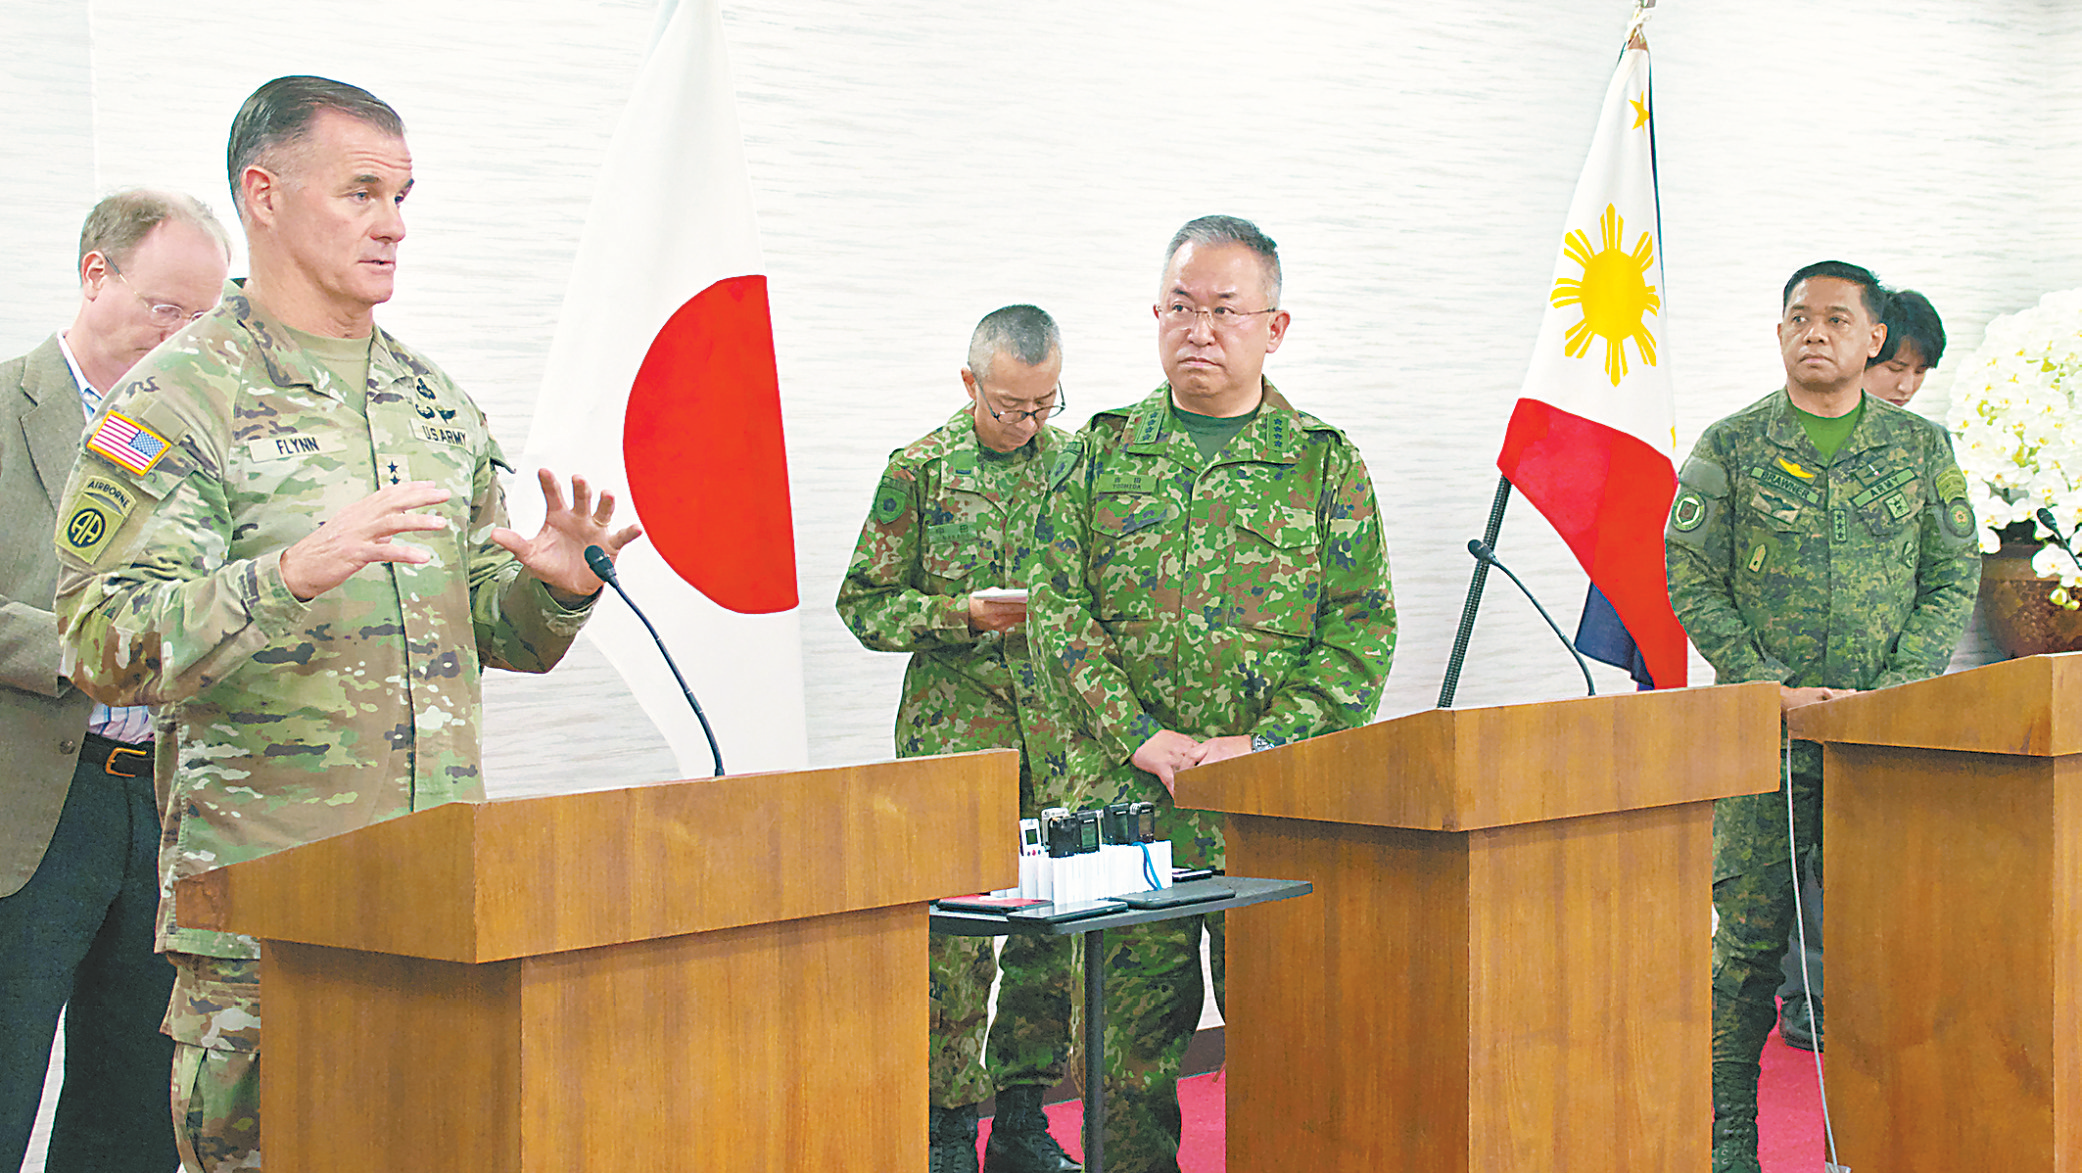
(1215, 581)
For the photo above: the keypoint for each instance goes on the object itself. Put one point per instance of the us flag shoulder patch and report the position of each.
(128, 443)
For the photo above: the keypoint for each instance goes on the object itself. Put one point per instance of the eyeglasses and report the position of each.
(165, 314)
(1180, 316)
(1038, 415)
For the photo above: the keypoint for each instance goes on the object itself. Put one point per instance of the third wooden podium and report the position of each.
(1952, 814)
(1505, 964)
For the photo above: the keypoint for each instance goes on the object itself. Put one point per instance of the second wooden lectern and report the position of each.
(1506, 962)
(708, 975)
(1952, 812)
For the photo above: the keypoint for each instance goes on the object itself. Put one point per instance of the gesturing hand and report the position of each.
(557, 552)
(361, 534)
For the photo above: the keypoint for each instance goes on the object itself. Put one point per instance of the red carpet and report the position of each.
(1200, 1149)
(1789, 1111)
(1789, 1119)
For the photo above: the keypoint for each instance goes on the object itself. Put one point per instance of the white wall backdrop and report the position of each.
(918, 164)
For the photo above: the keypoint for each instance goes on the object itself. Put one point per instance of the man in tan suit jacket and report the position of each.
(79, 827)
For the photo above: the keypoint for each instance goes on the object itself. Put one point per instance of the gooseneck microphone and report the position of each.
(603, 567)
(1485, 554)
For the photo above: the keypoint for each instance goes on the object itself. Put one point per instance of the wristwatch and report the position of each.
(1261, 742)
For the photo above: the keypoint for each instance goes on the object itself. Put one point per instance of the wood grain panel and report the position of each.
(490, 881)
(1528, 997)
(381, 1062)
(407, 884)
(2030, 706)
(1950, 921)
(798, 1045)
(1348, 1009)
(1461, 769)
(1589, 1010)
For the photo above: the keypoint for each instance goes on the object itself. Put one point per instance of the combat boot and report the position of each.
(1019, 1140)
(1735, 1121)
(951, 1140)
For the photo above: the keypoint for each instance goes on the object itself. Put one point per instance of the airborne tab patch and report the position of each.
(128, 443)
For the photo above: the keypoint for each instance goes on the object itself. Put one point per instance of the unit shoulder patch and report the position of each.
(892, 498)
(1688, 512)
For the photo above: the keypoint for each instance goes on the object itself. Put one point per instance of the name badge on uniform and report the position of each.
(280, 447)
(440, 434)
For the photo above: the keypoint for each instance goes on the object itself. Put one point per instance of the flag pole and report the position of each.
(1474, 599)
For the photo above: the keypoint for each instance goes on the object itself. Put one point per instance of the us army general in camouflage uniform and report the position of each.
(1216, 580)
(226, 556)
(1820, 538)
(955, 514)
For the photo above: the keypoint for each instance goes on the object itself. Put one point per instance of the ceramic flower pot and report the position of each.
(2022, 619)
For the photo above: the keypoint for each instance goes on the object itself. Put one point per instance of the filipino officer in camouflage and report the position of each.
(227, 553)
(1215, 582)
(955, 515)
(1819, 538)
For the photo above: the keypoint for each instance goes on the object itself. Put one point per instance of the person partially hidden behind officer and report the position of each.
(79, 848)
(1214, 581)
(1915, 345)
(951, 527)
(286, 530)
(1819, 538)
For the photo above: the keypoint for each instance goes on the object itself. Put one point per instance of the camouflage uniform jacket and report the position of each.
(291, 720)
(1858, 572)
(952, 517)
(1248, 595)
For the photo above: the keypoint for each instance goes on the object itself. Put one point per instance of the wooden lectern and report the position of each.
(1506, 963)
(1952, 814)
(706, 975)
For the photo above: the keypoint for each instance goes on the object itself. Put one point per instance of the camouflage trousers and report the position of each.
(1029, 1040)
(214, 1021)
(1155, 992)
(1753, 901)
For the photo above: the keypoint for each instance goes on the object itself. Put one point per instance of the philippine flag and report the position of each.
(661, 386)
(1592, 440)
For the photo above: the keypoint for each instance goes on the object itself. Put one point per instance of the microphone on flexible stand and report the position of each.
(1484, 553)
(603, 567)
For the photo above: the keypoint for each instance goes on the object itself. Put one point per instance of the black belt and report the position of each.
(118, 759)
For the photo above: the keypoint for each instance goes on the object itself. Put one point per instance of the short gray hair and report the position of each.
(1218, 230)
(1025, 332)
(279, 113)
(119, 223)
